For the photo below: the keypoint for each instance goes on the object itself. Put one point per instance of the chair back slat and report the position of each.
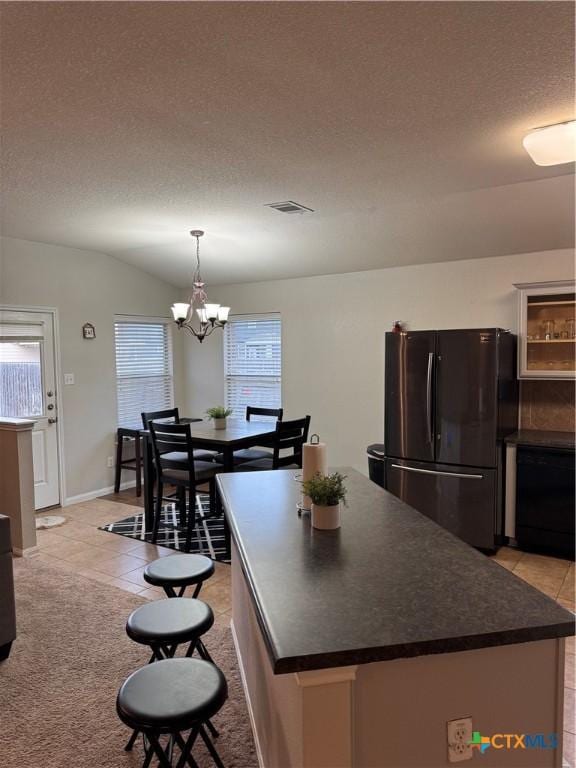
(252, 410)
(169, 414)
(290, 435)
(170, 438)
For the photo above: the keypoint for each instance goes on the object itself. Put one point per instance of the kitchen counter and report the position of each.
(389, 584)
(542, 439)
(369, 619)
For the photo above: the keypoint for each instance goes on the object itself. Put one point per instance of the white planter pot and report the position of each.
(326, 518)
(219, 423)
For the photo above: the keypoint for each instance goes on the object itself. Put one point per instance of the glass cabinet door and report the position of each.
(547, 332)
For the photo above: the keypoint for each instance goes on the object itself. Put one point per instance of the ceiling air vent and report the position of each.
(289, 206)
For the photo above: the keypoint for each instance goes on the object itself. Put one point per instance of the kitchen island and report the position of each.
(357, 646)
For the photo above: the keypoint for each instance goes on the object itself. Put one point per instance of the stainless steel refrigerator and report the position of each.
(450, 399)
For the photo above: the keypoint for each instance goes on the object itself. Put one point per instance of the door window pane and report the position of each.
(21, 379)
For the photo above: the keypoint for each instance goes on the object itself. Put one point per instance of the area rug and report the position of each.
(58, 687)
(207, 539)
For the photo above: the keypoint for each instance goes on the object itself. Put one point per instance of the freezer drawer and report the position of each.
(460, 499)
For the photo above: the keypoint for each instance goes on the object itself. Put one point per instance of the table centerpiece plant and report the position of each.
(326, 492)
(219, 414)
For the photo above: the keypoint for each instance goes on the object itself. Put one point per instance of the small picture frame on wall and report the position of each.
(88, 331)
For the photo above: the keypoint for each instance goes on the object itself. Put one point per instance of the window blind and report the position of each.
(253, 363)
(143, 368)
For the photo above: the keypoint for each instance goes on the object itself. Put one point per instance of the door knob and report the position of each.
(50, 393)
(50, 406)
(52, 420)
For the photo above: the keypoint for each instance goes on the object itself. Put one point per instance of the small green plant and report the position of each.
(218, 412)
(326, 490)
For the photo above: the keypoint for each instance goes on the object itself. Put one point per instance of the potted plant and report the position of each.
(326, 492)
(219, 414)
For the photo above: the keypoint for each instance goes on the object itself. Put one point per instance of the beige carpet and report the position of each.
(58, 688)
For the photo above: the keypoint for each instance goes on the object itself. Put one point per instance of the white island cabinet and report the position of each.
(547, 330)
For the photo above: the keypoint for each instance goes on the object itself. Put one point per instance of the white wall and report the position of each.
(333, 334)
(85, 287)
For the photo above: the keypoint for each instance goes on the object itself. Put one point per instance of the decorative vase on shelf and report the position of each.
(326, 518)
(219, 423)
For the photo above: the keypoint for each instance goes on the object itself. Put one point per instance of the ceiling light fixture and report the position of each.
(552, 145)
(210, 316)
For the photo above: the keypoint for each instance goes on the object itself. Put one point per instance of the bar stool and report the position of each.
(135, 464)
(163, 625)
(172, 697)
(166, 624)
(179, 572)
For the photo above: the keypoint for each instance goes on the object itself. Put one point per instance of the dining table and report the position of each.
(236, 435)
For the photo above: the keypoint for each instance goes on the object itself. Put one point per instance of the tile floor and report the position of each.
(79, 546)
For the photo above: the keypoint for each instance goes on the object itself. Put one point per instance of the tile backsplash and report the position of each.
(547, 405)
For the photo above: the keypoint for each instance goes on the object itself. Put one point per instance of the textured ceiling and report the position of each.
(125, 124)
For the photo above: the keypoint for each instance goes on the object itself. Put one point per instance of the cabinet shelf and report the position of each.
(551, 303)
(551, 341)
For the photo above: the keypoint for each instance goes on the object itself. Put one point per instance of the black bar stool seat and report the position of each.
(171, 697)
(163, 625)
(179, 572)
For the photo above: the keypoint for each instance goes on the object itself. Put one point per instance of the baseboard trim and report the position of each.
(247, 695)
(95, 494)
(28, 552)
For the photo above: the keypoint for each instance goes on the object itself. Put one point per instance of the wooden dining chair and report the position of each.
(289, 436)
(169, 439)
(168, 414)
(172, 415)
(253, 454)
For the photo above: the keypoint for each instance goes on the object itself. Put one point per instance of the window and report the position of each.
(21, 370)
(143, 367)
(253, 362)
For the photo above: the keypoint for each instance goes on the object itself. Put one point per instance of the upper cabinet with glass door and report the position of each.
(547, 333)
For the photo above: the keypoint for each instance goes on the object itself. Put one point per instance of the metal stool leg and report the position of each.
(132, 741)
(203, 651)
(156, 748)
(182, 744)
(211, 748)
(186, 756)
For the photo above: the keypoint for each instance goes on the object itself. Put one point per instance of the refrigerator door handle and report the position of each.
(437, 472)
(429, 395)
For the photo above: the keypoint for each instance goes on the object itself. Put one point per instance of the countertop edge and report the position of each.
(562, 441)
(424, 648)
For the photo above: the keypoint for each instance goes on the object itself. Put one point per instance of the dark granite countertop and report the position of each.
(388, 584)
(542, 438)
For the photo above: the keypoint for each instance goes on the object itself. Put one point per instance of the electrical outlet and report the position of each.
(459, 738)
(110, 464)
(68, 378)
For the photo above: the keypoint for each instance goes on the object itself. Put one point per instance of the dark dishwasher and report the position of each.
(545, 500)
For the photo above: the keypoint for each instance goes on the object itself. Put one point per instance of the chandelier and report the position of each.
(206, 316)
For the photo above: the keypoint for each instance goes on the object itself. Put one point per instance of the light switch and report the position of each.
(69, 378)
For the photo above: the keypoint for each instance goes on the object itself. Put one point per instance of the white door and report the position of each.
(28, 390)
